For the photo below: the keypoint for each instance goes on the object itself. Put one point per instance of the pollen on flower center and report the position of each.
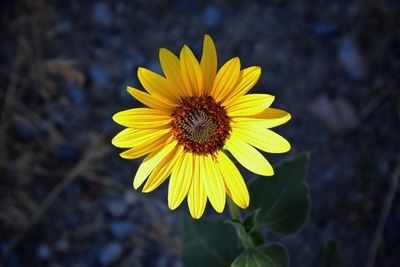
(200, 124)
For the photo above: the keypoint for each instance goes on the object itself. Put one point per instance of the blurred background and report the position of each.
(66, 198)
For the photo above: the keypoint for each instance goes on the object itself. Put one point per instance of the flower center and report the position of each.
(200, 124)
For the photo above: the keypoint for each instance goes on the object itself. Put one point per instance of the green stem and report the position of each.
(235, 214)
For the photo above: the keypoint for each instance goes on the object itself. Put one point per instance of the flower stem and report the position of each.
(235, 214)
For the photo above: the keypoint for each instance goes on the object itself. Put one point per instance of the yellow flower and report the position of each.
(193, 114)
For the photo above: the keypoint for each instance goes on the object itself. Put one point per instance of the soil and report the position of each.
(66, 198)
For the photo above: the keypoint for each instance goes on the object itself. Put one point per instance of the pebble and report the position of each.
(42, 130)
(338, 114)
(92, 258)
(13, 260)
(325, 29)
(44, 252)
(63, 26)
(101, 14)
(66, 153)
(116, 207)
(101, 238)
(186, 6)
(23, 131)
(98, 75)
(76, 94)
(351, 58)
(110, 253)
(72, 221)
(62, 245)
(211, 16)
(121, 229)
(130, 197)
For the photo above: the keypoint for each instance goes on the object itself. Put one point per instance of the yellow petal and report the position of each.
(150, 101)
(172, 70)
(157, 86)
(154, 141)
(263, 139)
(163, 170)
(134, 137)
(233, 181)
(213, 183)
(251, 104)
(248, 78)
(248, 156)
(124, 138)
(208, 64)
(180, 180)
(142, 118)
(269, 118)
(150, 162)
(226, 79)
(197, 197)
(191, 72)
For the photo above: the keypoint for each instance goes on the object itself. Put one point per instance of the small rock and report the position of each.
(44, 252)
(101, 14)
(76, 94)
(120, 229)
(42, 130)
(92, 257)
(211, 16)
(23, 131)
(98, 75)
(63, 26)
(13, 260)
(72, 221)
(338, 115)
(186, 6)
(130, 197)
(66, 153)
(62, 245)
(116, 207)
(325, 29)
(101, 237)
(347, 113)
(110, 253)
(351, 58)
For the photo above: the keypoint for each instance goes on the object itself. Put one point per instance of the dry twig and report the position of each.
(387, 205)
(95, 152)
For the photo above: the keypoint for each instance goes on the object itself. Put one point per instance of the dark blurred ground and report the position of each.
(66, 197)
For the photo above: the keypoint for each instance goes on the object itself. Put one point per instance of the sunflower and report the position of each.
(193, 116)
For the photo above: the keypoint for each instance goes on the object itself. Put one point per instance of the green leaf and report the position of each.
(241, 232)
(246, 230)
(332, 254)
(208, 242)
(250, 222)
(273, 255)
(257, 238)
(283, 198)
